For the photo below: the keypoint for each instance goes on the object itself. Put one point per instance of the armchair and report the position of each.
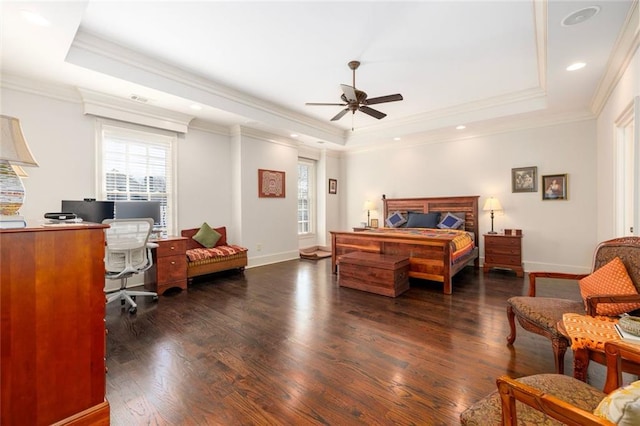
(542, 398)
(128, 252)
(541, 315)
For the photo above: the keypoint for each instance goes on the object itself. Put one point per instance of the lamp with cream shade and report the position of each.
(369, 206)
(14, 151)
(492, 204)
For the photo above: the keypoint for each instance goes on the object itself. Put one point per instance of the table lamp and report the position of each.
(369, 206)
(14, 151)
(492, 204)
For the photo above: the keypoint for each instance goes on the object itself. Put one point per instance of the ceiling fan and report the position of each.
(356, 100)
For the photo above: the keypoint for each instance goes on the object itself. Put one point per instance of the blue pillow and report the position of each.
(395, 220)
(451, 221)
(423, 220)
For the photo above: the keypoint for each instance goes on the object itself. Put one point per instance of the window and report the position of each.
(306, 196)
(137, 164)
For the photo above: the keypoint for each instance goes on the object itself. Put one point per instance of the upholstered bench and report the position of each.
(222, 256)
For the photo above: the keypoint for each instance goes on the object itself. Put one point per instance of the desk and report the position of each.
(53, 331)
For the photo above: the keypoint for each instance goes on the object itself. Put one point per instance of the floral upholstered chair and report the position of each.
(610, 290)
(556, 399)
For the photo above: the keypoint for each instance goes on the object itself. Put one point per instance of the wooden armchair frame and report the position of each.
(628, 249)
(511, 391)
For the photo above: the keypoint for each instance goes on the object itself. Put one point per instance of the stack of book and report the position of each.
(12, 221)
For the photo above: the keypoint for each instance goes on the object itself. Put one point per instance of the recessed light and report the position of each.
(396, 138)
(461, 127)
(196, 107)
(580, 16)
(35, 18)
(293, 135)
(576, 66)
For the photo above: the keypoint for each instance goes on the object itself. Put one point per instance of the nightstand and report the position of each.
(503, 251)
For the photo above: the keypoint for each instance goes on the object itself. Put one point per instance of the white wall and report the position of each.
(620, 98)
(558, 235)
(62, 140)
(269, 225)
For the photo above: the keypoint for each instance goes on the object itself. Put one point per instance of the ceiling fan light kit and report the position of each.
(356, 100)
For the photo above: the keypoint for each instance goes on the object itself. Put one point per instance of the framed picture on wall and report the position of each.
(271, 184)
(554, 187)
(333, 186)
(524, 179)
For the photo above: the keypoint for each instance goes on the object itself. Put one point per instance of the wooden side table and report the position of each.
(170, 265)
(503, 251)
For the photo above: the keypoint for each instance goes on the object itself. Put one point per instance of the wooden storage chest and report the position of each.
(383, 274)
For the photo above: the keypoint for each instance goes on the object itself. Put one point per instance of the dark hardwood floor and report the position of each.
(284, 344)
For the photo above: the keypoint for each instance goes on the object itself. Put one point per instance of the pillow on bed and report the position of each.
(451, 221)
(395, 220)
(423, 220)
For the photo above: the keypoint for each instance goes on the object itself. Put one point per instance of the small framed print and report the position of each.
(374, 223)
(554, 187)
(271, 184)
(333, 186)
(524, 179)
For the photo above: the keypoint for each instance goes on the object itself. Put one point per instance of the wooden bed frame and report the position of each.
(429, 258)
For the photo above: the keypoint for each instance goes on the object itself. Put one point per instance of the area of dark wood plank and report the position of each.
(284, 344)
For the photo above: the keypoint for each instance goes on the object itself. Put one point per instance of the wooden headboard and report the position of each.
(468, 205)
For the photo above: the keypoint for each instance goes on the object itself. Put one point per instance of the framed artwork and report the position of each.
(271, 184)
(524, 179)
(554, 187)
(333, 186)
(374, 223)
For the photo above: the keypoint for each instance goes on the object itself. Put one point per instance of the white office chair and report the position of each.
(128, 252)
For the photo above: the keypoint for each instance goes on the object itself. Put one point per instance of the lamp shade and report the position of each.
(369, 206)
(14, 152)
(492, 204)
(13, 146)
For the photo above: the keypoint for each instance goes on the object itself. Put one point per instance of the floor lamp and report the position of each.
(492, 204)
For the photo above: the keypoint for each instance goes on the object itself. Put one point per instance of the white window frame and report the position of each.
(145, 136)
(311, 196)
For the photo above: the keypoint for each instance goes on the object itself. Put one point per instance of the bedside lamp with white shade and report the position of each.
(492, 204)
(369, 206)
(14, 151)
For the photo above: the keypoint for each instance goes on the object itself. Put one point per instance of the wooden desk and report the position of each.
(53, 333)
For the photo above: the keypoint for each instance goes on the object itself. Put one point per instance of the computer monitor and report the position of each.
(138, 209)
(89, 211)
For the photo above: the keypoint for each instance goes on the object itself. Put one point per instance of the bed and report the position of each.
(433, 255)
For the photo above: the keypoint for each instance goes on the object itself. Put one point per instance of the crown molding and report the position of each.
(621, 56)
(540, 14)
(482, 130)
(527, 100)
(116, 108)
(40, 88)
(92, 52)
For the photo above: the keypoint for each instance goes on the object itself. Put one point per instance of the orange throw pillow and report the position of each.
(612, 278)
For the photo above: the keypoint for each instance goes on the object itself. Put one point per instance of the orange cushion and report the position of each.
(612, 278)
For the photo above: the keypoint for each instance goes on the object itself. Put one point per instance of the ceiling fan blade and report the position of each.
(349, 92)
(382, 99)
(340, 114)
(320, 103)
(372, 112)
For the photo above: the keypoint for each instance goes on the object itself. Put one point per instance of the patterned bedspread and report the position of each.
(461, 241)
